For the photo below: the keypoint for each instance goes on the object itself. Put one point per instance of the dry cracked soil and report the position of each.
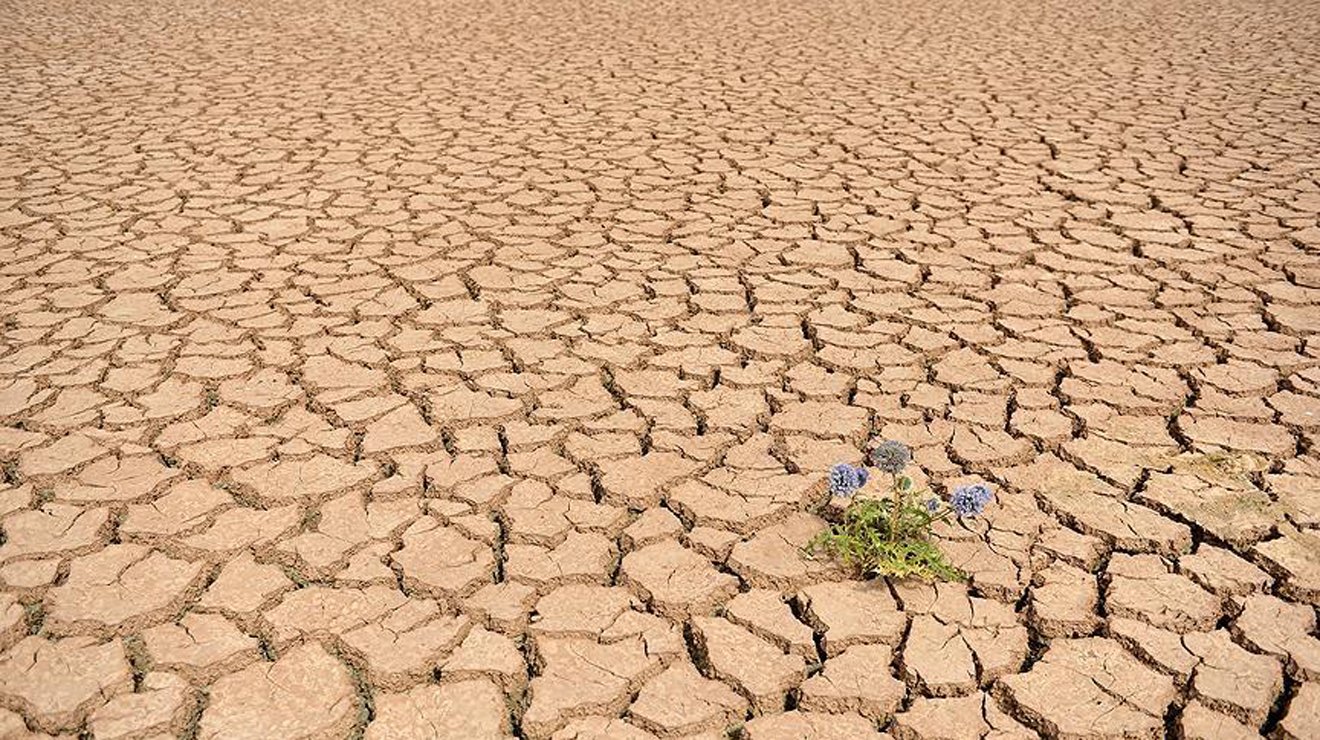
(422, 369)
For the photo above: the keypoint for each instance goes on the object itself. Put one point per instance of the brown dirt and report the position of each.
(437, 369)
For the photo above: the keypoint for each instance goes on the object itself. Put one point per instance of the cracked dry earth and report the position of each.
(469, 370)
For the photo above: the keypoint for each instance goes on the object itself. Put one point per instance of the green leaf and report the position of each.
(875, 543)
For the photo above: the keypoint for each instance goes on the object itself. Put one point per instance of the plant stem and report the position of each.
(898, 507)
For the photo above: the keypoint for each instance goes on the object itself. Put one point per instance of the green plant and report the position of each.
(891, 536)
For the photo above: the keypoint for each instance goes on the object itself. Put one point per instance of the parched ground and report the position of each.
(410, 369)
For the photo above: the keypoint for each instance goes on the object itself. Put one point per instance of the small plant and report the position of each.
(890, 536)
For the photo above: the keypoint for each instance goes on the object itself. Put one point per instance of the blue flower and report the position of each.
(845, 479)
(932, 505)
(863, 475)
(891, 457)
(969, 501)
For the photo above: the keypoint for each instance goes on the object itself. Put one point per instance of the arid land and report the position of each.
(419, 369)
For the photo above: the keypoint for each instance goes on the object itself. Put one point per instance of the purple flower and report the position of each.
(932, 505)
(891, 457)
(863, 475)
(969, 501)
(843, 480)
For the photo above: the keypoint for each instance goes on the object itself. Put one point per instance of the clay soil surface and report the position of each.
(415, 369)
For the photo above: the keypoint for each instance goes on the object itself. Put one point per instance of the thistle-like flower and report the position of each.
(891, 456)
(970, 500)
(845, 479)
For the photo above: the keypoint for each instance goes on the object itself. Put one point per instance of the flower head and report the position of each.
(932, 505)
(863, 475)
(845, 479)
(891, 456)
(969, 501)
